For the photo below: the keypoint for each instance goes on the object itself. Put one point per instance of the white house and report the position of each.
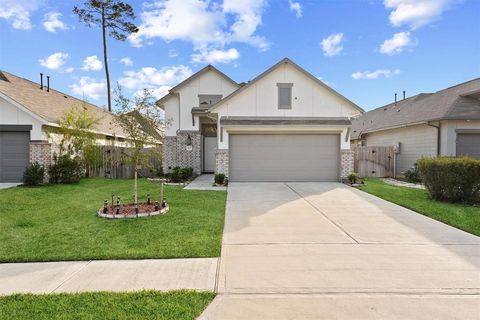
(284, 125)
(445, 123)
(29, 116)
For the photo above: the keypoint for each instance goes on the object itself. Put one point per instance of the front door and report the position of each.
(209, 148)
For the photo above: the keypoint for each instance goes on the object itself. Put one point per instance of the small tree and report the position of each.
(128, 114)
(114, 17)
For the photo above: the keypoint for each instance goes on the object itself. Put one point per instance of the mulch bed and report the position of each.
(130, 209)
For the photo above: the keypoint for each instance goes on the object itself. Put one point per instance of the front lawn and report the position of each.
(58, 222)
(175, 305)
(461, 216)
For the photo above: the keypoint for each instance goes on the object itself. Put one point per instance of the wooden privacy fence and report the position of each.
(111, 163)
(374, 161)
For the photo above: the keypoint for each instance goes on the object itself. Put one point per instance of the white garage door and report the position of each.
(280, 157)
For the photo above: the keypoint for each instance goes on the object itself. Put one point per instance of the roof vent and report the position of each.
(3, 77)
(41, 81)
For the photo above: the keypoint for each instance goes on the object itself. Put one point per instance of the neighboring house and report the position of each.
(446, 123)
(284, 125)
(29, 117)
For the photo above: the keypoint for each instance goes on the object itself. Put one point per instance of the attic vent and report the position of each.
(65, 97)
(3, 77)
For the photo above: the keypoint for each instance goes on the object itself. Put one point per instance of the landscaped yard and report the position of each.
(465, 217)
(58, 222)
(175, 305)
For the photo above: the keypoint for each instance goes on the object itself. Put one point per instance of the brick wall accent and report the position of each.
(176, 154)
(346, 162)
(40, 151)
(221, 161)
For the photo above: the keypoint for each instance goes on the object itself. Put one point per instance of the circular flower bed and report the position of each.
(128, 211)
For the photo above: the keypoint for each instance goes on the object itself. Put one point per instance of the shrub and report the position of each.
(451, 179)
(65, 169)
(34, 174)
(219, 178)
(412, 174)
(352, 177)
(181, 174)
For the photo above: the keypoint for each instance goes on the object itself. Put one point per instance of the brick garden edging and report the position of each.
(100, 214)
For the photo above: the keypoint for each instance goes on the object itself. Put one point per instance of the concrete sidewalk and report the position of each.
(204, 182)
(108, 275)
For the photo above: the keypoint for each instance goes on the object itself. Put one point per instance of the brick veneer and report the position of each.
(175, 153)
(221, 161)
(40, 151)
(346, 162)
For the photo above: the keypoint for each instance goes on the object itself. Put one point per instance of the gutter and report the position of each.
(438, 135)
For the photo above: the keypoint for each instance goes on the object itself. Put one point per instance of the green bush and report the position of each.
(352, 178)
(412, 174)
(451, 179)
(181, 174)
(65, 169)
(219, 178)
(34, 174)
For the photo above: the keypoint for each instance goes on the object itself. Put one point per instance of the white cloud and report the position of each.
(92, 63)
(332, 45)
(189, 20)
(158, 80)
(203, 23)
(90, 88)
(248, 16)
(52, 22)
(172, 53)
(54, 61)
(17, 12)
(375, 74)
(296, 7)
(216, 56)
(69, 70)
(127, 61)
(415, 13)
(396, 44)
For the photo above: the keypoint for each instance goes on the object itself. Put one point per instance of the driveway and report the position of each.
(325, 250)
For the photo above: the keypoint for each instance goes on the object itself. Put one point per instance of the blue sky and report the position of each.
(366, 50)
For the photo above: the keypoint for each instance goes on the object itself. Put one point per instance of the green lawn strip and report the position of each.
(59, 222)
(173, 305)
(464, 217)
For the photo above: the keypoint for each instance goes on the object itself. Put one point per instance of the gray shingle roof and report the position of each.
(460, 102)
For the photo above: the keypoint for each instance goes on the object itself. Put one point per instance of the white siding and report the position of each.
(416, 141)
(10, 114)
(309, 99)
(171, 116)
(208, 83)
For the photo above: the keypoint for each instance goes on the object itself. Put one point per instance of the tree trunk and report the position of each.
(105, 60)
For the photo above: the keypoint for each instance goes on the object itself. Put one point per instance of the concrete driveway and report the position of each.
(327, 251)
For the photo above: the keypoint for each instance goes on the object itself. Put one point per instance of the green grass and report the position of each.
(174, 305)
(59, 222)
(464, 217)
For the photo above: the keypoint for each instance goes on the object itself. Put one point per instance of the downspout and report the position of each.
(438, 136)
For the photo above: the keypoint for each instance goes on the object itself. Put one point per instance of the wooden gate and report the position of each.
(374, 161)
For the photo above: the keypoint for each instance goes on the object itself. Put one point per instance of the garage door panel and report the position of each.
(267, 157)
(14, 155)
(468, 144)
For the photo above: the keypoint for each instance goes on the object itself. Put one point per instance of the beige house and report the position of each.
(29, 116)
(446, 123)
(284, 125)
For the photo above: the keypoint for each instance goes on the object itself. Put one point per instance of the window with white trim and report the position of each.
(284, 95)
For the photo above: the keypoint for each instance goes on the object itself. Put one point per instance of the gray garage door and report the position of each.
(468, 144)
(14, 155)
(295, 157)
